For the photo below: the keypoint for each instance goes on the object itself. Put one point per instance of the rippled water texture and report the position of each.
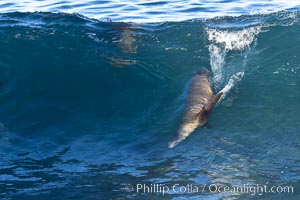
(150, 11)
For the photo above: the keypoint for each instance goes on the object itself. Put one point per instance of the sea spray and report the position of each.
(222, 42)
(232, 82)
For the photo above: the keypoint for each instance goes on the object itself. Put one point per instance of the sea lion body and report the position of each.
(200, 102)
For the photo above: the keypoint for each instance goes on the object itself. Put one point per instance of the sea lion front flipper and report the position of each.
(212, 102)
(218, 97)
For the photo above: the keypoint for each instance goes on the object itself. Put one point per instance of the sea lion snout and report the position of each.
(174, 143)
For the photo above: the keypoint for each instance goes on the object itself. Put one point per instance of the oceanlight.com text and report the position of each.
(256, 189)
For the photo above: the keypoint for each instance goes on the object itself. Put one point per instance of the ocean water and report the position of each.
(150, 10)
(91, 94)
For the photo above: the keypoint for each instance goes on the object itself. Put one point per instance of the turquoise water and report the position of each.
(88, 107)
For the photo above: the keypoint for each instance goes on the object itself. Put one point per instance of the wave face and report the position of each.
(88, 106)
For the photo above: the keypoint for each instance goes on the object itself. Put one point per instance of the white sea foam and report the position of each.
(217, 61)
(233, 40)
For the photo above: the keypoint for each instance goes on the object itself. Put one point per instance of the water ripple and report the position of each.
(150, 11)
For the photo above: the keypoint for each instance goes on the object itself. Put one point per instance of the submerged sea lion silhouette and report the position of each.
(200, 102)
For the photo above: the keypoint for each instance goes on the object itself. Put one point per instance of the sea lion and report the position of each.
(200, 102)
(127, 41)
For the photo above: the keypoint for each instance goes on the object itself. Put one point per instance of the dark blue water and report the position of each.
(87, 106)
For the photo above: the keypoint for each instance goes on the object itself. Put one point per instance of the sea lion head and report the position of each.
(185, 130)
